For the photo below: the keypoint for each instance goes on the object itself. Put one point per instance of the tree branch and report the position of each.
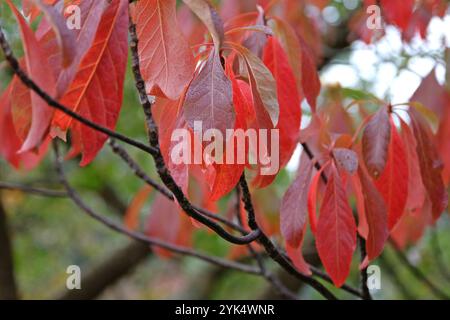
(33, 190)
(365, 290)
(137, 235)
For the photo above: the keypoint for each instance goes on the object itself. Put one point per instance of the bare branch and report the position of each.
(33, 190)
(137, 235)
(363, 272)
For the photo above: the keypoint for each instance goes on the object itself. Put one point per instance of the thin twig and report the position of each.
(33, 190)
(139, 172)
(72, 194)
(363, 272)
(161, 168)
(272, 250)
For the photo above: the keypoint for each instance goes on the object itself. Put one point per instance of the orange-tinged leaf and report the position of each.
(164, 222)
(97, 89)
(131, 218)
(166, 61)
(393, 182)
(296, 256)
(209, 98)
(312, 200)
(37, 68)
(294, 206)
(375, 142)
(336, 230)
(376, 216)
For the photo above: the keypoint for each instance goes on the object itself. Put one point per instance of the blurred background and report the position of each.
(49, 234)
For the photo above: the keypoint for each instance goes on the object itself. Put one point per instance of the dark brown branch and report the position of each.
(270, 248)
(269, 276)
(161, 168)
(137, 235)
(418, 274)
(139, 172)
(14, 64)
(8, 287)
(363, 254)
(33, 190)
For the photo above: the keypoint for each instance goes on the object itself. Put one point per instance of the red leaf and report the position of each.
(131, 218)
(294, 206)
(398, 12)
(310, 77)
(263, 87)
(416, 190)
(312, 200)
(393, 183)
(97, 89)
(166, 60)
(164, 222)
(209, 98)
(289, 98)
(295, 254)
(430, 164)
(65, 37)
(37, 68)
(375, 142)
(336, 231)
(376, 216)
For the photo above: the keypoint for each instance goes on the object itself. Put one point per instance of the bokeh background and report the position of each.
(49, 234)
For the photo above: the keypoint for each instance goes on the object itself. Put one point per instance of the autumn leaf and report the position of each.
(430, 164)
(336, 231)
(375, 214)
(209, 97)
(375, 142)
(263, 86)
(310, 77)
(38, 70)
(296, 256)
(393, 182)
(97, 89)
(346, 159)
(66, 38)
(166, 61)
(294, 206)
(211, 19)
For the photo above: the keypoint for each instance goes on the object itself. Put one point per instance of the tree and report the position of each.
(224, 90)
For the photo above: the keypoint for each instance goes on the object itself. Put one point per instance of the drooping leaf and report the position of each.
(211, 19)
(310, 77)
(295, 254)
(393, 182)
(416, 189)
(166, 61)
(376, 216)
(263, 89)
(97, 89)
(65, 37)
(37, 68)
(430, 164)
(336, 231)
(375, 142)
(294, 206)
(209, 98)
